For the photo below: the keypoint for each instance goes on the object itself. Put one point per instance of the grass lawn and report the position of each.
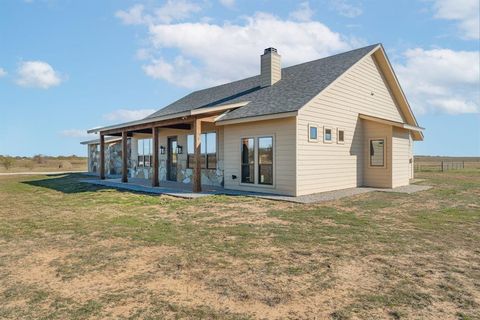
(74, 251)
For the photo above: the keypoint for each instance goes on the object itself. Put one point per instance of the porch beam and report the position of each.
(124, 157)
(102, 156)
(197, 168)
(155, 162)
(148, 125)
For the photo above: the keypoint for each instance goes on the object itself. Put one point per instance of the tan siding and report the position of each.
(283, 131)
(400, 157)
(379, 177)
(412, 159)
(329, 166)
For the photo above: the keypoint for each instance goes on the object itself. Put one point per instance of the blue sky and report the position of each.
(67, 66)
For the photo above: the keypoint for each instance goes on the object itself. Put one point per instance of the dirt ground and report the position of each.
(73, 251)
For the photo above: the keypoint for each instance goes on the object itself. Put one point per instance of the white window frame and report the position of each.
(255, 184)
(325, 128)
(338, 136)
(384, 153)
(310, 139)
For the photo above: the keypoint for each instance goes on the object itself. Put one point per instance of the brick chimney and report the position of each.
(270, 67)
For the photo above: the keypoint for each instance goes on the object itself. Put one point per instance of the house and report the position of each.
(333, 123)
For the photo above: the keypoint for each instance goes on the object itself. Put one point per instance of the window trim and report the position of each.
(310, 139)
(384, 139)
(338, 136)
(325, 128)
(274, 163)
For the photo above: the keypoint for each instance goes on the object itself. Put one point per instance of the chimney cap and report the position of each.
(269, 50)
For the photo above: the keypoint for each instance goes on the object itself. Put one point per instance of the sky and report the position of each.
(67, 66)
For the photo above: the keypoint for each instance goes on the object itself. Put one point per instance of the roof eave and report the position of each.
(193, 112)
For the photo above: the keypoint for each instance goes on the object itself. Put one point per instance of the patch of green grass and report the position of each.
(271, 256)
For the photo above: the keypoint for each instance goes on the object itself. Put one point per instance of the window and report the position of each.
(377, 153)
(312, 133)
(265, 160)
(144, 152)
(327, 135)
(248, 160)
(340, 136)
(208, 150)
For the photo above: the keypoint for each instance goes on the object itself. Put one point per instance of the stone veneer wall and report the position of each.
(113, 158)
(113, 163)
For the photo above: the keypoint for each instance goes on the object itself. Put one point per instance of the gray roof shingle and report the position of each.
(299, 84)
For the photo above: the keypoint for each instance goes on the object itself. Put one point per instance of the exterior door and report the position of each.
(172, 159)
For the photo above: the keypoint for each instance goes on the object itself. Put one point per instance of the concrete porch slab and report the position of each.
(178, 189)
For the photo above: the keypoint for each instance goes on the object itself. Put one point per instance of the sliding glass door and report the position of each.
(257, 160)
(265, 160)
(248, 160)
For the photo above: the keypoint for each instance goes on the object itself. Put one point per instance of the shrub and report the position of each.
(7, 162)
(65, 165)
(40, 159)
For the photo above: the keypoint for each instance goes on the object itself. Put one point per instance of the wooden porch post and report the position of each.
(155, 162)
(124, 157)
(197, 169)
(102, 156)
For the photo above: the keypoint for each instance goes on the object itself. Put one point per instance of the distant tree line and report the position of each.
(37, 160)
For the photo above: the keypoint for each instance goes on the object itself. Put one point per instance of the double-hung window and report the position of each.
(257, 160)
(144, 152)
(208, 150)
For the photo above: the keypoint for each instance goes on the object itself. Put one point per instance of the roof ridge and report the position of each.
(231, 90)
(295, 65)
(333, 55)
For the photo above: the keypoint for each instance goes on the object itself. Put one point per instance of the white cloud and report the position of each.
(37, 74)
(169, 12)
(228, 3)
(125, 115)
(441, 80)
(3, 73)
(465, 12)
(77, 133)
(346, 9)
(134, 15)
(209, 53)
(303, 13)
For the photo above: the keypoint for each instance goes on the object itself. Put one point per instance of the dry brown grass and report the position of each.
(70, 250)
(45, 164)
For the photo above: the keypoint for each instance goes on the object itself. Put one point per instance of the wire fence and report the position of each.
(443, 165)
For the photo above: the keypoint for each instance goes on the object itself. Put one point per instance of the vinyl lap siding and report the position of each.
(400, 157)
(330, 166)
(379, 177)
(283, 131)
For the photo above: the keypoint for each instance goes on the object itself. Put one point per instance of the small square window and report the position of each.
(327, 135)
(312, 133)
(340, 136)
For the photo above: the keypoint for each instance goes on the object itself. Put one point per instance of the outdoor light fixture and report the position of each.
(162, 150)
(179, 149)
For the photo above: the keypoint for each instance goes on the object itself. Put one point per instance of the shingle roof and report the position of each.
(299, 84)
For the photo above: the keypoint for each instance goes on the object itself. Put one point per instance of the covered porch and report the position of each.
(168, 138)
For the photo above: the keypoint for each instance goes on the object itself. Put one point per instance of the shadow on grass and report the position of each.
(69, 183)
